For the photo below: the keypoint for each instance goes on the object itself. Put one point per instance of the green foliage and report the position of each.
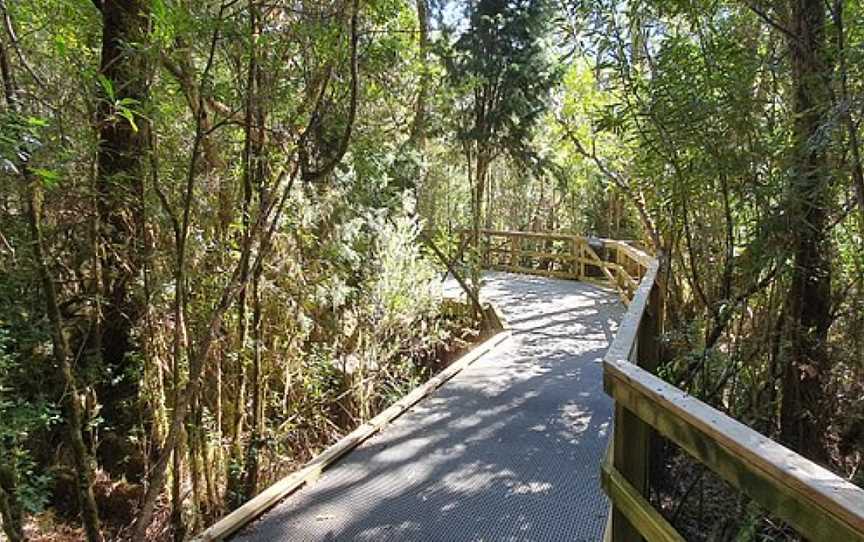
(686, 103)
(23, 420)
(502, 68)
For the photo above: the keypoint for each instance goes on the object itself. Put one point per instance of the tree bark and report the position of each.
(481, 170)
(808, 305)
(418, 126)
(121, 165)
(10, 507)
(255, 439)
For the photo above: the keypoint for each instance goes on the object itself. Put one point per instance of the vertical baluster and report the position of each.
(582, 256)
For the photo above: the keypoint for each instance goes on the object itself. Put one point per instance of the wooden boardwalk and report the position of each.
(507, 450)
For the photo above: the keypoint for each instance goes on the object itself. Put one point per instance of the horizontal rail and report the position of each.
(625, 340)
(817, 503)
(563, 255)
(635, 507)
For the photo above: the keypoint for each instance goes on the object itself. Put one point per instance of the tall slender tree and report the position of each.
(504, 73)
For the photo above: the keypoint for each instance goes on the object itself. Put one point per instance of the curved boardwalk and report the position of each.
(508, 450)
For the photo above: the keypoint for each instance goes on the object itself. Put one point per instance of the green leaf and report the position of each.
(107, 86)
(36, 122)
(60, 45)
(49, 178)
(129, 115)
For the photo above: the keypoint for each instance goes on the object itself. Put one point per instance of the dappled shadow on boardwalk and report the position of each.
(508, 450)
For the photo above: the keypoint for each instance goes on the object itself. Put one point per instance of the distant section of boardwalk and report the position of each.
(508, 450)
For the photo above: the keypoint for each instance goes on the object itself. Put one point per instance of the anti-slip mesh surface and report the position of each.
(509, 450)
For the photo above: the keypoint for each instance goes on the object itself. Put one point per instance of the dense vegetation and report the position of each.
(222, 221)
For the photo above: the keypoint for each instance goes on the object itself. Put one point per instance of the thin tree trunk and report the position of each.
(854, 142)
(239, 482)
(180, 344)
(60, 350)
(418, 127)
(254, 448)
(10, 507)
(33, 196)
(427, 185)
(194, 465)
(480, 172)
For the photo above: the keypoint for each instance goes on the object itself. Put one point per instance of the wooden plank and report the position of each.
(578, 257)
(532, 271)
(562, 256)
(632, 437)
(639, 256)
(530, 235)
(623, 274)
(607, 457)
(638, 511)
(550, 255)
(246, 513)
(596, 263)
(600, 263)
(625, 339)
(816, 502)
(629, 455)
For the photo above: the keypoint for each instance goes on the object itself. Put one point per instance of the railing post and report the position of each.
(483, 244)
(582, 257)
(631, 450)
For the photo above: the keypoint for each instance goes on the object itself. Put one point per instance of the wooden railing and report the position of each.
(616, 263)
(818, 504)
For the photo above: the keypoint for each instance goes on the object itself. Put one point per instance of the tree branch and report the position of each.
(352, 110)
(637, 200)
(771, 22)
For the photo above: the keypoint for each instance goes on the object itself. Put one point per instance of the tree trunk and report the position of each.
(418, 127)
(10, 507)
(255, 440)
(480, 172)
(60, 349)
(120, 184)
(427, 186)
(808, 303)
(180, 346)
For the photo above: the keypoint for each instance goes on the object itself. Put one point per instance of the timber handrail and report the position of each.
(817, 503)
(562, 255)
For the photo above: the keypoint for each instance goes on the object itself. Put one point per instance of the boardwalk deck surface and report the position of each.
(506, 451)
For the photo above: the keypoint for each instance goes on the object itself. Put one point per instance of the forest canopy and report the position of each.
(223, 223)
